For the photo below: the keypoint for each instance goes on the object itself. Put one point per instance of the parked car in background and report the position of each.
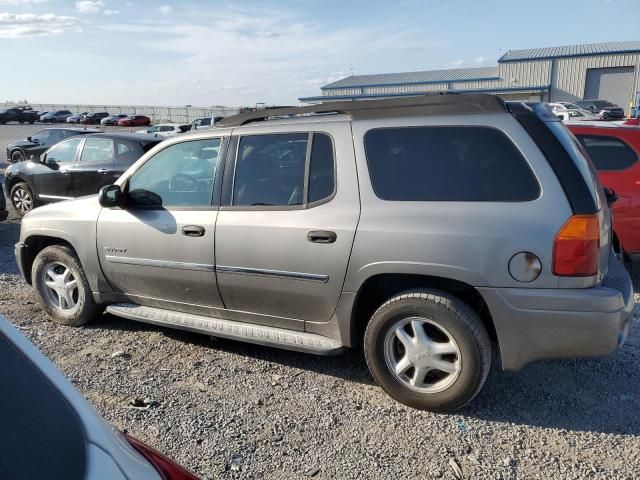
(18, 114)
(73, 168)
(76, 117)
(422, 228)
(113, 119)
(570, 111)
(603, 109)
(166, 129)
(204, 122)
(58, 116)
(50, 431)
(94, 118)
(3, 206)
(35, 145)
(614, 151)
(134, 121)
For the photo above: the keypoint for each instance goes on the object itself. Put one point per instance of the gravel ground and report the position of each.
(226, 409)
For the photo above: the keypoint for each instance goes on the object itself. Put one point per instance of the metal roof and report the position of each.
(570, 51)
(405, 78)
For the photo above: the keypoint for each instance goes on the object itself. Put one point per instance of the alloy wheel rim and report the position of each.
(22, 200)
(60, 287)
(422, 355)
(18, 157)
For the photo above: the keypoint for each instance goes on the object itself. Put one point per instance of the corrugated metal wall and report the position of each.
(569, 76)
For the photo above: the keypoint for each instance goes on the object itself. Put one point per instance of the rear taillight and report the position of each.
(576, 247)
(167, 469)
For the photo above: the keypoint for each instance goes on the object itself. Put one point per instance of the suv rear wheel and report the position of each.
(428, 350)
(62, 286)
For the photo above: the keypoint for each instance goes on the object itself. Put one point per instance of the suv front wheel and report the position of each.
(428, 350)
(62, 286)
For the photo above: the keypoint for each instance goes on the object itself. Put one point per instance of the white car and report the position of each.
(166, 129)
(570, 111)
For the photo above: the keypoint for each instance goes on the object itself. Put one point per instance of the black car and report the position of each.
(603, 108)
(39, 142)
(18, 114)
(93, 118)
(75, 167)
(3, 206)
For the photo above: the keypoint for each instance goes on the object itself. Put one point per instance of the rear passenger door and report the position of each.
(286, 225)
(93, 169)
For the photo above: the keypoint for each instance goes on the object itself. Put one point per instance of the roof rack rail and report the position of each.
(429, 104)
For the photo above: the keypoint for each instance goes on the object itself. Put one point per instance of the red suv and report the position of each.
(614, 151)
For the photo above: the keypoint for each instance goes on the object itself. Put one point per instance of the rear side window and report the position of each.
(457, 164)
(608, 153)
(270, 170)
(321, 170)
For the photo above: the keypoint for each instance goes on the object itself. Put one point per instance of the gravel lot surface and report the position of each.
(231, 410)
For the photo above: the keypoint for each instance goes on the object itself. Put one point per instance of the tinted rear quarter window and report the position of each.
(467, 164)
(608, 153)
(321, 170)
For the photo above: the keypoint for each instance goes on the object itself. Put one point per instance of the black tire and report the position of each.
(445, 313)
(22, 199)
(18, 156)
(59, 257)
(31, 122)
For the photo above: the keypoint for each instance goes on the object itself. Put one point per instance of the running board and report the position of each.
(218, 327)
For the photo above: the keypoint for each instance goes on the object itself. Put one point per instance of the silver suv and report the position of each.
(433, 230)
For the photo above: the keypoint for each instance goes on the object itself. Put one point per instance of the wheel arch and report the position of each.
(34, 245)
(379, 288)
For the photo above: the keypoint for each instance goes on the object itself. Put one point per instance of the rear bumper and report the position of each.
(534, 324)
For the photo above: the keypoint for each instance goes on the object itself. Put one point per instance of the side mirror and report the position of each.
(611, 195)
(29, 139)
(110, 196)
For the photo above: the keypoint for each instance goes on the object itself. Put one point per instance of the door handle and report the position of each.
(193, 231)
(103, 170)
(322, 236)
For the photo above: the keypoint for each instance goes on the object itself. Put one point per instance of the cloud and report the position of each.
(89, 6)
(31, 25)
(21, 2)
(165, 9)
(481, 60)
(267, 55)
(111, 12)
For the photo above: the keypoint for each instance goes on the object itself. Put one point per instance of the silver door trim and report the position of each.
(55, 197)
(148, 262)
(263, 272)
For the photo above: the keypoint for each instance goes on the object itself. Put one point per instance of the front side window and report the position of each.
(458, 164)
(182, 174)
(97, 150)
(270, 170)
(64, 152)
(608, 153)
(41, 137)
(153, 129)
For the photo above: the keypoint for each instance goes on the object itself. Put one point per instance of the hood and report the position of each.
(67, 209)
(20, 143)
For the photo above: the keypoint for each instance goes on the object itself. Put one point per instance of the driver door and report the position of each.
(55, 182)
(158, 249)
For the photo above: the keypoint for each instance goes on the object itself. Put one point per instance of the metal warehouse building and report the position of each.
(608, 71)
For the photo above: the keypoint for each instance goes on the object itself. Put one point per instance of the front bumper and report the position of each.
(534, 324)
(20, 256)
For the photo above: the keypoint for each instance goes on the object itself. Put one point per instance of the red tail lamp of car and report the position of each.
(167, 469)
(576, 247)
